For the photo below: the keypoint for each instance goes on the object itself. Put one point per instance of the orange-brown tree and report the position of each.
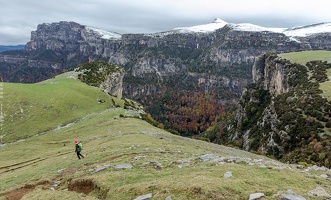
(190, 113)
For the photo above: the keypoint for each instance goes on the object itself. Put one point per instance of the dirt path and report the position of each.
(13, 167)
(19, 193)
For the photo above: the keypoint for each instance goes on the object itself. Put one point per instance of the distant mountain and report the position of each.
(301, 31)
(160, 68)
(8, 48)
(219, 45)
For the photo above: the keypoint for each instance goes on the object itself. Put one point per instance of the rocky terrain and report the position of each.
(127, 158)
(284, 113)
(217, 57)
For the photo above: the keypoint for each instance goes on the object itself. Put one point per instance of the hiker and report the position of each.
(78, 149)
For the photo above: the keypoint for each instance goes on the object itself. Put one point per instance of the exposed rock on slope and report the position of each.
(108, 77)
(225, 50)
(283, 113)
(214, 58)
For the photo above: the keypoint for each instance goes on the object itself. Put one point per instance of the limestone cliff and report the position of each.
(282, 113)
(114, 84)
(227, 53)
(108, 77)
(271, 74)
(159, 64)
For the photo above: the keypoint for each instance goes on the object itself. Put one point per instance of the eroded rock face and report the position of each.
(56, 36)
(271, 74)
(227, 53)
(283, 110)
(270, 79)
(113, 84)
(106, 76)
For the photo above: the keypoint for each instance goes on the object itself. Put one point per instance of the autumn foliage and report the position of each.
(189, 113)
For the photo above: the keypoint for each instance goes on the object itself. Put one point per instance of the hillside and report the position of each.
(125, 157)
(285, 112)
(306, 56)
(31, 109)
(209, 61)
(302, 57)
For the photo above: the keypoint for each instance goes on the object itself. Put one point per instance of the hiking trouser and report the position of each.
(79, 155)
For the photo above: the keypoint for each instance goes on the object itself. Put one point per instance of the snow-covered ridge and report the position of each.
(308, 30)
(205, 28)
(302, 31)
(104, 34)
(291, 32)
(218, 23)
(255, 28)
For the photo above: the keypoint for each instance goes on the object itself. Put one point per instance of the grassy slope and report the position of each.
(30, 109)
(306, 56)
(110, 140)
(303, 57)
(326, 86)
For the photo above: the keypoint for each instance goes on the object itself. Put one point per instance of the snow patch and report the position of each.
(308, 30)
(219, 23)
(205, 28)
(290, 32)
(105, 34)
(255, 28)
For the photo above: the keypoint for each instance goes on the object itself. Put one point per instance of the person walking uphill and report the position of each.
(78, 149)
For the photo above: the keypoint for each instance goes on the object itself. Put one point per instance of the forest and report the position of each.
(185, 112)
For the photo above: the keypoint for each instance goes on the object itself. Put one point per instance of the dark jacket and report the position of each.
(77, 148)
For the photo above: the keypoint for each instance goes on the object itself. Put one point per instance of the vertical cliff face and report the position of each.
(56, 36)
(282, 113)
(271, 74)
(320, 41)
(227, 53)
(256, 117)
(108, 77)
(113, 84)
(157, 64)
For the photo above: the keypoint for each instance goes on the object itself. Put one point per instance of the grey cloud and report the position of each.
(20, 17)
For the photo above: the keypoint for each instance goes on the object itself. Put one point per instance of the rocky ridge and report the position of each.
(283, 113)
(225, 50)
(107, 77)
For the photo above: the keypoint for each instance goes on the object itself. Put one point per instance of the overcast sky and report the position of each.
(20, 17)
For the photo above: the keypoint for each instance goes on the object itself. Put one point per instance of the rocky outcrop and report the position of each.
(108, 77)
(113, 84)
(56, 36)
(320, 41)
(227, 53)
(163, 63)
(282, 113)
(270, 79)
(271, 74)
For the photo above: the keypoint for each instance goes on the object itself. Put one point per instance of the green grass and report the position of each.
(303, 57)
(30, 109)
(109, 140)
(326, 86)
